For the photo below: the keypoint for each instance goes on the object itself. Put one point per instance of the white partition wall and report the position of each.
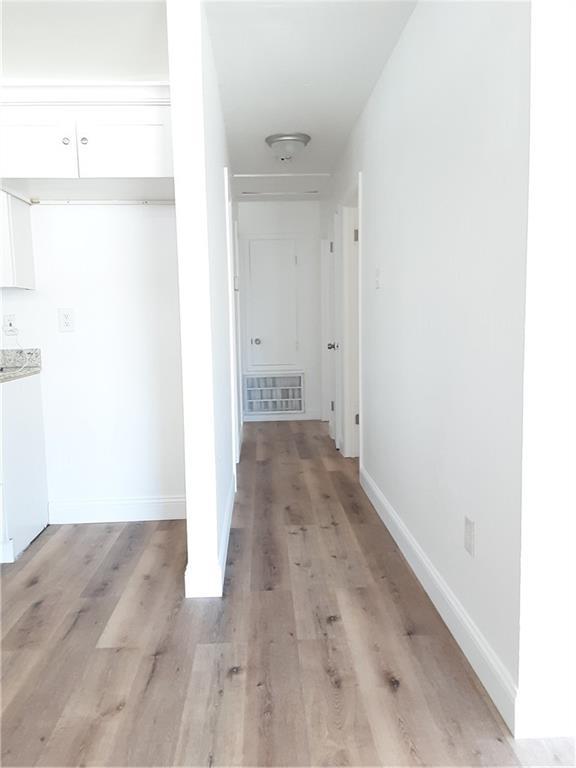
(443, 151)
(199, 160)
(546, 701)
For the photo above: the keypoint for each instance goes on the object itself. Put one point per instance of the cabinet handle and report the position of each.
(83, 140)
(65, 140)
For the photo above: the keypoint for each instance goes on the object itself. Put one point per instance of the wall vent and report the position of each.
(272, 394)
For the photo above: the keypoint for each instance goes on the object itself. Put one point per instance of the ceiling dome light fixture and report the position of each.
(286, 145)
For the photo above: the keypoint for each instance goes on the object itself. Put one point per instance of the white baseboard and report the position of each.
(225, 530)
(203, 579)
(206, 578)
(484, 660)
(7, 552)
(282, 417)
(125, 510)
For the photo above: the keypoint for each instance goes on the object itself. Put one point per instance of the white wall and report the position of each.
(84, 40)
(301, 221)
(443, 147)
(200, 157)
(216, 192)
(111, 389)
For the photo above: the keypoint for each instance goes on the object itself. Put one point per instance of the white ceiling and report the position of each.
(298, 66)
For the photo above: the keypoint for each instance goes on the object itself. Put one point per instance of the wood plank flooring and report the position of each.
(324, 651)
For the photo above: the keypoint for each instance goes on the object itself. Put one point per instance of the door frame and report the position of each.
(232, 259)
(347, 299)
(327, 358)
(349, 347)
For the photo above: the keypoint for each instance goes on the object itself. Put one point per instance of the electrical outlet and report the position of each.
(9, 325)
(470, 536)
(66, 320)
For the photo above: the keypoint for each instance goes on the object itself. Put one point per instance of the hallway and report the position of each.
(324, 650)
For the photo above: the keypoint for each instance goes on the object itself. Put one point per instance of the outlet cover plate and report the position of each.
(66, 320)
(470, 536)
(9, 325)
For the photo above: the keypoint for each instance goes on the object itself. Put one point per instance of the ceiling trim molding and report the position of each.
(279, 175)
(21, 2)
(61, 94)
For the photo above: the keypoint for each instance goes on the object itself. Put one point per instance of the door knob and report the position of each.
(332, 345)
(257, 341)
(65, 140)
(83, 140)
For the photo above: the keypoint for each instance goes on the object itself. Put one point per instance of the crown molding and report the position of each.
(21, 93)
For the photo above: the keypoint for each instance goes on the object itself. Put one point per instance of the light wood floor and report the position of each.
(324, 650)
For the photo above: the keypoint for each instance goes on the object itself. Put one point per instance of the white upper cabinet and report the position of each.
(37, 142)
(16, 253)
(85, 140)
(129, 143)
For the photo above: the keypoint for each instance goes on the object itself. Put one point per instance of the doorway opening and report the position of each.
(341, 348)
(297, 223)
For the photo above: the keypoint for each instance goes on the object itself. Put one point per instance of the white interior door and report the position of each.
(345, 428)
(331, 342)
(326, 335)
(272, 303)
(338, 333)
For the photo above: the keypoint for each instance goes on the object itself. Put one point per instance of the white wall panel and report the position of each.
(443, 148)
(111, 389)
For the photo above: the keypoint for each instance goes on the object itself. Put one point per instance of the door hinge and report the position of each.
(357, 419)
(331, 405)
(331, 247)
(356, 235)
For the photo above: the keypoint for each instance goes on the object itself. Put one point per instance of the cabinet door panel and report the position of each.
(16, 253)
(39, 143)
(125, 143)
(25, 494)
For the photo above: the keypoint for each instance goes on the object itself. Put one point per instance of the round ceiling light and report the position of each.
(286, 145)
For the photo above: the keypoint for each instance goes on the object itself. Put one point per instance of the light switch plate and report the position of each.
(66, 320)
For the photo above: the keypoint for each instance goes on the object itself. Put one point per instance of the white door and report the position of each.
(37, 143)
(345, 427)
(338, 333)
(131, 143)
(331, 343)
(272, 321)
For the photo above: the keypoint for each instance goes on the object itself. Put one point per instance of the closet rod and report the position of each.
(17, 197)
(102, 202)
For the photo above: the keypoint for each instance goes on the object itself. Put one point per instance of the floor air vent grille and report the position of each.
(282, 393)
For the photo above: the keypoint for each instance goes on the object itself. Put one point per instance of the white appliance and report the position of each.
(23, 487)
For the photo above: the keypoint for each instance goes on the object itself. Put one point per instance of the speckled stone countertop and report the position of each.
(18, 363)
